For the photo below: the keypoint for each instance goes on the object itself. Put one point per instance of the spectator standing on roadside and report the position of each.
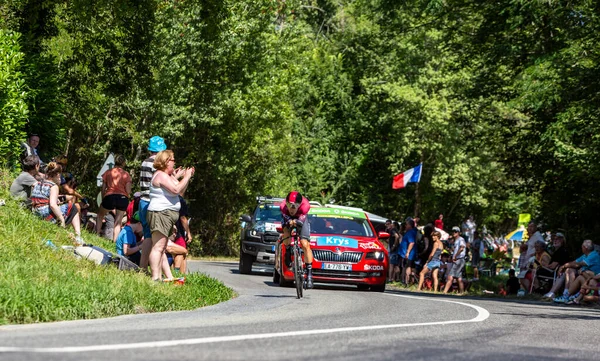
(155, 144)
(534, 236)
(439, 222)
(458, 261)
(21, 187)
(477, 248)
(393, 243)
(163, 210)
(116, 188)
(29, 147)
(433, 261)
(407, 250)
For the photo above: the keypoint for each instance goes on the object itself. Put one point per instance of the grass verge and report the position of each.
(39, 284)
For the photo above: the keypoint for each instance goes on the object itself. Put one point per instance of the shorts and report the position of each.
(395, 259)
(457, 268)
(433, 265)
(476, 259)
(162, 221)
(304, 231)
(408, 263)
(115, 201)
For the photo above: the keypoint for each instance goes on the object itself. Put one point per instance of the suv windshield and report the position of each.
(339, 225)
(268, 212)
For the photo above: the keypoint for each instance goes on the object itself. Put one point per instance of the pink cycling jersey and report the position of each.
(300, 214)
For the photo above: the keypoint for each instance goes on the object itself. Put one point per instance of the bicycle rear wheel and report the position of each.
(298, 277)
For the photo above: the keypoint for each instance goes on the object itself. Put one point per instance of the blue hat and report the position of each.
(157, 144)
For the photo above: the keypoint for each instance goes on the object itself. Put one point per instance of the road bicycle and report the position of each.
(297, 261)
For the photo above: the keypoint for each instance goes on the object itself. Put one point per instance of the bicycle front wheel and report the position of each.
(298, 276)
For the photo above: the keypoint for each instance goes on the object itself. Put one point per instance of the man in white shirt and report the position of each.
(534, 236)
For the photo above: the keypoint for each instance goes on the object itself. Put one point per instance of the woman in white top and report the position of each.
(163, 210)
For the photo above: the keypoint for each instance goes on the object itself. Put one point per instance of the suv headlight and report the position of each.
(379, 256)
(253, 234)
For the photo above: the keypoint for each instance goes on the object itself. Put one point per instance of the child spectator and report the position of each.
(21, 187)
(45, 202)
(512, 285)
(127, 244)
(133, 206)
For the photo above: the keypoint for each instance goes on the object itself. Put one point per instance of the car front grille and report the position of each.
(270, 238)
(328, 256)
(317, 272)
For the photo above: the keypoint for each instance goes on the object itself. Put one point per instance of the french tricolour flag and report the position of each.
(412, 175)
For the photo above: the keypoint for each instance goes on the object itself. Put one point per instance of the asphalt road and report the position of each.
(267, 322)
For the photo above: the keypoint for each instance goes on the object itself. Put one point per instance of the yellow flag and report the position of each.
(524, 219)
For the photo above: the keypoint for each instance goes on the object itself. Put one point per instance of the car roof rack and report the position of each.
(269, 199)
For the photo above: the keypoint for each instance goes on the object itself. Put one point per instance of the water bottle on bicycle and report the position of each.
(294, 212)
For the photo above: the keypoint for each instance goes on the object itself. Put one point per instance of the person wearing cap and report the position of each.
(295, 208)
(558, 257)
(155, 144)
(458, 261)
(127, 241)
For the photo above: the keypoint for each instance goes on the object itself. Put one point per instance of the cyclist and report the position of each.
(296, 208)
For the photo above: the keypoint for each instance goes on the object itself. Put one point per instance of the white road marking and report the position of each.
(482, 315)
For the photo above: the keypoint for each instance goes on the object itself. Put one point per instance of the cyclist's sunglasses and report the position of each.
(293, 205)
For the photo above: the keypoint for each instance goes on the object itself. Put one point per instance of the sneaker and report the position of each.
(561, 299)
(549, 295)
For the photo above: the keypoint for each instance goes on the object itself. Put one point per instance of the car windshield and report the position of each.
(268, 212)
(339, 225)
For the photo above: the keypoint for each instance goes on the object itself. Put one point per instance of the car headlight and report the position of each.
(379, 256)
(253, 234)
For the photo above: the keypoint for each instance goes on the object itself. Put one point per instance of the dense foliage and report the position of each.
(499, 100)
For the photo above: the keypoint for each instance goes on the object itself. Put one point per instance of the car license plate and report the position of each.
(337, 266)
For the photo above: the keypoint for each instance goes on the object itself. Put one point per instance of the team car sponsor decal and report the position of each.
(373, 267)
(337, 241)
(369, 245)
(271, 227)
(337, 211)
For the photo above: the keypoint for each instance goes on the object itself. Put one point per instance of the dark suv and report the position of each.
(259, 233)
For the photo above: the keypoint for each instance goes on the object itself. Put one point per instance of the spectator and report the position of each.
(559, 256)
(588, 265)
(133, 206)
(127, 240)
(470, 231)
(67, 182)
(407, 250)
(116, 187)
(433, 261)
(476, 252)
(21, 187)
(439, 222)
(155, 144)
(45, 202)
(512, 285)
(541, 259)
(458, 261)
(424, 244)
(183, 237)
(445, 266)
(534, 236)
(29, 147)
(163, 210)
(393, 243)
(589, 292)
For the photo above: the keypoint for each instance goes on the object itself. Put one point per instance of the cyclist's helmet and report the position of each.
(293, 199)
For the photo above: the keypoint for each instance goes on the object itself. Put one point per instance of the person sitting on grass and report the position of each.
(20, 188)
(127, 240)
(589, 292)
(576, 273)
(45, 202)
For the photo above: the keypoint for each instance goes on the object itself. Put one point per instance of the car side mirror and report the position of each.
(245, 218)
(384, 235)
